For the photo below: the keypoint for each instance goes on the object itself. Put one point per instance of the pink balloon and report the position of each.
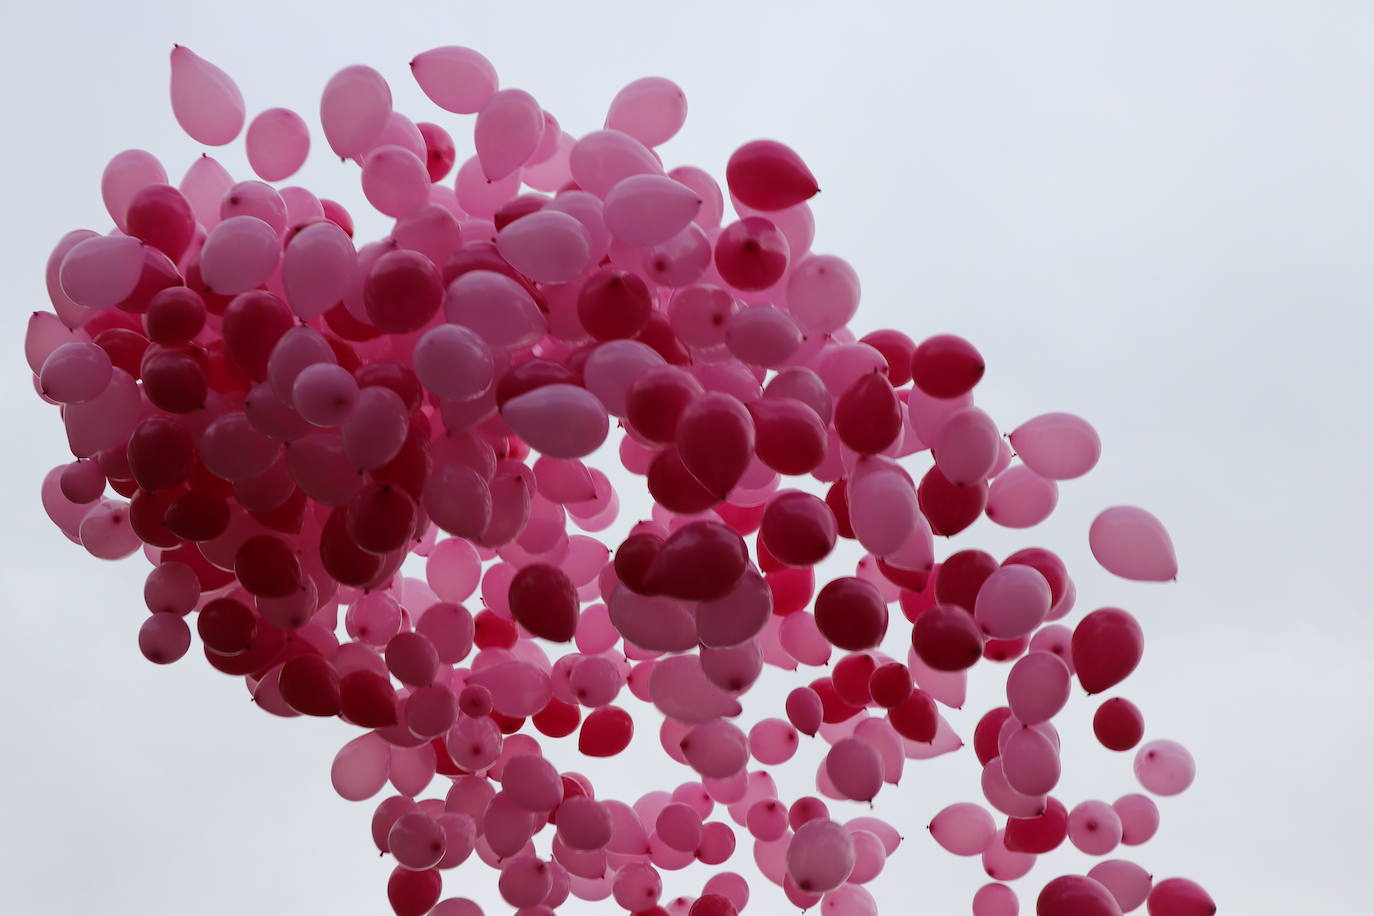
(207, 103)
(1180, 896)
(315, 268)
(1058, 446)
(455, 78)
(1030, 762)
(240, 253)
(651, 109)
(125, 175)
(1139, 818)
(604, 158)
(820, 856)
(647, 209)
(75, 372)
(967, 447)
(822, 293)
(855, 769)
(1127, 882)
(1020, 498)
(1165, 767)
(395, 180)
(1012, 602)
(106, 420)
(995, 900)
(453, 362)
(1094, 827)
(548, 246)
(964, 829)
(278, 142)
(1074, 895)
(883, 510)
(507, 133)
(354, 109)
(1131, 543)
(102, 271)
(361, 768)
(496, 307)
(1038, 687)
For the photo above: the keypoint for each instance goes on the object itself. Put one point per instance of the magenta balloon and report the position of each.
(125, 175)
(207, 103)
(1038, 686)
(1106, 647)
(455, 78)
(820, 856)
(698, 315)
(549, 246)
(453, 362)
(647, 209)
(1094, 827)
(507, 132)
(1058, 446)
(1020, 498)
(604, 158)
(102, 271)
(855, 768)
(1131, 543)
(1030, 762)
(733, 669)
(651, 109)
(995, 900)
(773, 741)
(967, 446)
(1075, 895)
(354, 109)
(1127, 882)
(1179, 897)
(1139, 818)
(1012, 602)
(239, 254)
(315, 268)
(1165, 767)
(496, 307)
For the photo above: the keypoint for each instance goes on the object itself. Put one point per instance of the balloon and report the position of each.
(1165, 767)
(354, 110)
(751, 254)
(1057, 446)
(548, 246)
(820, 856)
(648, 209)
(561, 421)
(651, 109)
(1038, 687)
(766, 175)
(1021, 498)
(966, 447)
(1126, 881)
(964, 829)
(1139, 818)
(206, 102)
(1118, 724)
(1106, 648)
(945, 366)
(1179, 897)
(278, 142)
(1074, 895)
(455, 78)
(851, 614)
(995, 900)
(1012, 602)
(1131, 543)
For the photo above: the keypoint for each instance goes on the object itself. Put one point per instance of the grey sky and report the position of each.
(1156, 215)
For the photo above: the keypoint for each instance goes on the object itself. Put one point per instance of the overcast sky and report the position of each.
(1156, 215)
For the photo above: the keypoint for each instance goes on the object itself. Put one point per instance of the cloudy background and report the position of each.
(1156, 215)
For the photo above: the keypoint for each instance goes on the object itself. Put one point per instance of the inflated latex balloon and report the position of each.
(288, 419)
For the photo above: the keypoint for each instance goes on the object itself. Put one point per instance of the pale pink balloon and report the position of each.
(395, 181)
(762, 336)
(44, 333)
(324, 394)
(507, 132)
(102, 271)
(1139, 818)
(995, 900)
(820, 856)
(889, 835)
(1059, 446)
(361, 767)
(884, 738)
(255, 198)
(647, 209)
(882, 510)
(1003, 797)
(239, 254)
(496, 307)
(376, 428)
(316, 268)
(552, 173)
(479, 197)
(453, 362)
(588, 210)
(548, 246)
(106, 420)
(432, 230)
(354, 109)
(1131, 543)
(125, 175)
(650, 109)
(841, 364)
(1020, 498)
(803, 640)
(1094, 827)
(401, 131)
(822, 293)
(105, 531)
(1012, 602)
(278, 142)
(613, 367)
(1165, 767)
(455, 78)
(967, 447)
(1030, 761)
(562, 421)
(1003, 864)
(517, 688)
(204, 186)
(679, 688)
(296, 350)
(207, 103)
(946, 687)
(1128, 882)
(964, 829)
(604, 158)
(75, 372)
(855, 769)
(737, 617)
(1038, 686)
(716, 749)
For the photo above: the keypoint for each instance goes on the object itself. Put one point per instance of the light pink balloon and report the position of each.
(1003, 797)
(316, 268)
(651, 109)
(647, 209)
(820, 856)
(762, 336)
(324, 394)
(239, 254)
(507, 132)
(562, 421)
(395, 181)
(1012, 602)
(822, 293)
(75, 372)
(612, 368)
(479, 197)
(882, 509)
(496, 307)
(1003, 864)
(1020, 498)
(204, 186)
(1139, 818)
(995, 900)
(125, 175)
(453, 362)
(102, 271)
(967, 447)
(803, 640)
(376, 428)
(604, 158)
(964, 829)
(1059, 446)
(1131, 543)
(1030, 761)
(455, 78)
(855, 769)
(679, 688)
(207, 103)
(1165, 767)
(1094, 827)
(105, 531)
(1128, 882)
(278, 142)
(716, 749)
(106, 420)
(548, 246)
(1038, 686)
(361, 767)
(354, 109)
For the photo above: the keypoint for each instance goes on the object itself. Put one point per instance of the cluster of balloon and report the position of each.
(278, 418)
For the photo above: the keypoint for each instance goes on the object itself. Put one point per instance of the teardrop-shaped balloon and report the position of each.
(1132, 543)
(455, 78)
(354, 110)
(207, 103)
(1058, 446)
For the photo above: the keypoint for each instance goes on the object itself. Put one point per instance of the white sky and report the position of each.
(1155, 215)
